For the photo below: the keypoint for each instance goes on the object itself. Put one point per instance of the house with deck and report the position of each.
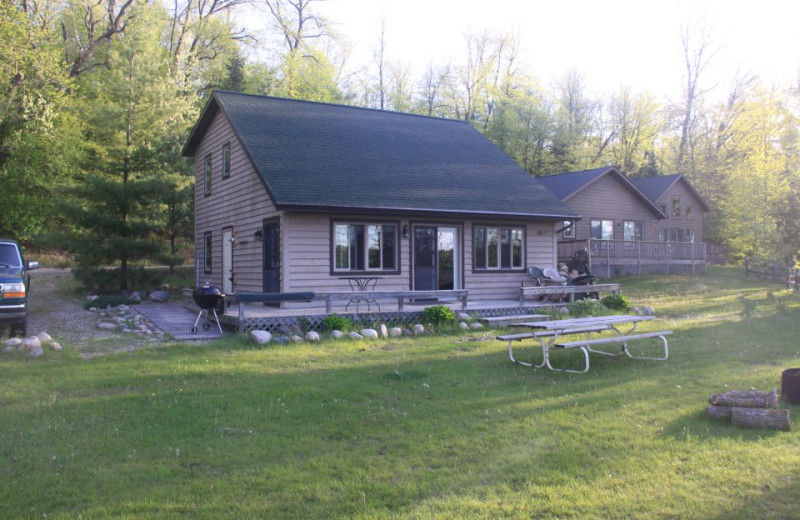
(629, 226)
(295, 196)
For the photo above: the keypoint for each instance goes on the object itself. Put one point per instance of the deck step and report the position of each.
(505, 321)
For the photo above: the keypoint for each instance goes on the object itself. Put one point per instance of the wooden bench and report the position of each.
(242, 298)
(565, 290)
(400, 296)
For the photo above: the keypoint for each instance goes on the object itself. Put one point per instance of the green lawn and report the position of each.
(443, 427)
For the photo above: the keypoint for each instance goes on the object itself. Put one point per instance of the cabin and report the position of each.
(684, 208)
(650, 225)
(295, 196)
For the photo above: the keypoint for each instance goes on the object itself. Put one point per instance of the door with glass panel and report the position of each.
(436, 258)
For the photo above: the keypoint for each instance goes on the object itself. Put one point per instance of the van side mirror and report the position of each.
(33, 265)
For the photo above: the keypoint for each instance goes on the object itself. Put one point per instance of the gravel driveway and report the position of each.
(56, 307)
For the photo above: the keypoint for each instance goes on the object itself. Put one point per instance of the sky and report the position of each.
(611, 43)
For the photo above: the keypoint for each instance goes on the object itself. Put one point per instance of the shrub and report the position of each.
(587, 308)
(438, 314)
(336, 322)
(617, 303)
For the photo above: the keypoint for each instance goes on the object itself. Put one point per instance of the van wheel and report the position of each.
(20, 328)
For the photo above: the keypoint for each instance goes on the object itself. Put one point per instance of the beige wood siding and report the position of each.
(607, 199)
(679, 189)
(238, 201)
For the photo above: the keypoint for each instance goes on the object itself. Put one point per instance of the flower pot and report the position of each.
(790, 385)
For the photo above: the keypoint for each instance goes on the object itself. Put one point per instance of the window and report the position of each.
(569, 229)
(690, 236)
(688, 215)
(226, 160)
(662, 235)
(676, 235)
(365, 247)
(498, 248)
(632, 230)
(207, 176)
(207, 252)
(677, 207)
(602, 229)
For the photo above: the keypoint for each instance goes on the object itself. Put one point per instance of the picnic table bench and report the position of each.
(550, 334)
(568, 291)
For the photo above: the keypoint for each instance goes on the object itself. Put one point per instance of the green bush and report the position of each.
(617, 303)
(587, 308)
(438, 314)
(336, 322)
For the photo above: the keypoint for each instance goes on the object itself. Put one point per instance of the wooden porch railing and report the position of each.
(609, 258)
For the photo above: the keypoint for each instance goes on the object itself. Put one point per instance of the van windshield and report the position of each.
(9, 256)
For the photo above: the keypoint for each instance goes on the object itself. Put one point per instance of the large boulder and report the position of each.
(261, 337)
(159, 296)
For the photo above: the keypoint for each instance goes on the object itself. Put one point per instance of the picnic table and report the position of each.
(552, 333)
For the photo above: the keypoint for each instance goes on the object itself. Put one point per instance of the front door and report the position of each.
(227, 261)
(272, 258)
(436, 258)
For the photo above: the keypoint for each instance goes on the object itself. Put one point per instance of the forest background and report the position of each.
(97, 98)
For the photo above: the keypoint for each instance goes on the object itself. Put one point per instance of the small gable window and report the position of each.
(365, 247)
(498, 247)
(688, 214)
(677, 207)
(207, 176)
(226, 160)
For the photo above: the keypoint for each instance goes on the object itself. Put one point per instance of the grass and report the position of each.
(442, 427)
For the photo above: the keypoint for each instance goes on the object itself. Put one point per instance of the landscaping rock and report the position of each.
(463, 325)
(261, 337)
(418, 329)
(395, 332)
(476, 325)
(383, 331)
(337, 334)
(464, 316)
(312, 336)
(355, 335)
(36, 351)
(297, 339)
(13, 343)
(159, 296)
(369, 333)
(44, 337)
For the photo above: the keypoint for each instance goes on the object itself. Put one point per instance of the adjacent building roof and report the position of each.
(567, 185)
(327, 157)
(656, 187)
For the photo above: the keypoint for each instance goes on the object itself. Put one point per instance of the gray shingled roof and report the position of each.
(566, 185)
(655, 187)
(318, 156)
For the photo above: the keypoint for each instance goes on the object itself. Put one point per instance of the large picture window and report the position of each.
(602, 229)
(632, 230)
(498, 247)
(365, 247)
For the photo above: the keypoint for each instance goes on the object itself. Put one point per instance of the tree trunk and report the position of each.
(759, 418)
(746, 399)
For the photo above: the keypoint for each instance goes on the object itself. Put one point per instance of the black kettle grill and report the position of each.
(208, 298)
